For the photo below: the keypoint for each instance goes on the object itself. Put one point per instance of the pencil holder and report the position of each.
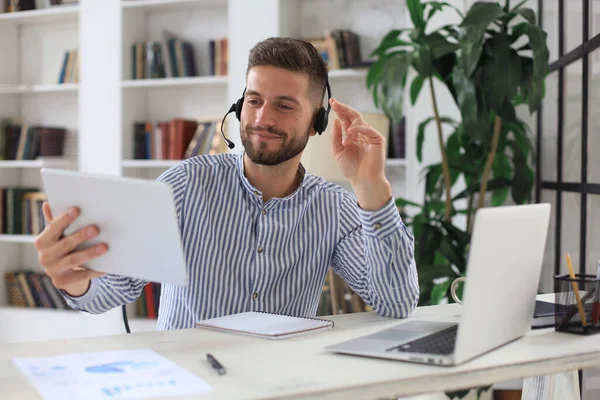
(577, 304)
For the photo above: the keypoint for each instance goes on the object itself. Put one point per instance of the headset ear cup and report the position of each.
(238, 108)
(321, 121)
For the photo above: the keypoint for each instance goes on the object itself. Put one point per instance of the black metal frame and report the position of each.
(583, 188)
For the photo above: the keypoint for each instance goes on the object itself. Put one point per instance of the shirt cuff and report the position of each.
(84, 298)
(383, 222)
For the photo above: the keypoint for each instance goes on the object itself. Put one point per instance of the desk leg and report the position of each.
(563, 386)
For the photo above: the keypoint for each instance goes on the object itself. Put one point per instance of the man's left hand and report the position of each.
(361, 156)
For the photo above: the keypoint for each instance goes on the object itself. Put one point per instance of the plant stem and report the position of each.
(490, 161)
(445, 167)
(470, 212)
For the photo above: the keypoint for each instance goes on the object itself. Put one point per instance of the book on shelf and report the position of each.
(30, 289)
(340, 49)
(21, 210)
(147, 304)
(69, 70)
(21, 141)
(176, 139)
(27, 5)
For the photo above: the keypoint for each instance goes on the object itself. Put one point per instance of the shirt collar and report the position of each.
(253, 190)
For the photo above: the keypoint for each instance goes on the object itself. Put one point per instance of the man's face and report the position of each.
(276, 119)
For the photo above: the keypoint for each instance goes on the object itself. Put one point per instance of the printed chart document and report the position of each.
(126, 374)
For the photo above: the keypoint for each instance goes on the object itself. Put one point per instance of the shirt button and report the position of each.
(264, 212)
(254, 296)
(256, 192)
(260, 250)
(377, 226)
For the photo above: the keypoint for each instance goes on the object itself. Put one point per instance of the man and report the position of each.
(259, 232)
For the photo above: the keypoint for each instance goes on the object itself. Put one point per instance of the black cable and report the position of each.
(125, 319)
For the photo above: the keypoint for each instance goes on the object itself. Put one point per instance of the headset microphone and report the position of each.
(229, 143)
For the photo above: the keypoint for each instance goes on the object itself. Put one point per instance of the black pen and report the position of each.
(215, 364)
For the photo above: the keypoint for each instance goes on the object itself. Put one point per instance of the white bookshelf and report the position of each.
(107, 101)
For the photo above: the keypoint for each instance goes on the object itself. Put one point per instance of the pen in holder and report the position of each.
(577, 304)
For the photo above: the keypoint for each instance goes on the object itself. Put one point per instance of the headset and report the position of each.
(320, 121)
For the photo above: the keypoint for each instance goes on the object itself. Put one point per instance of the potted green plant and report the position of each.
(493, 61)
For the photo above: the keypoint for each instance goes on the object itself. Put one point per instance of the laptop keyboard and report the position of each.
(441, 342)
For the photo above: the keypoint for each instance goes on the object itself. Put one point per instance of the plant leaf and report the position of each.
(460, 236)
(389, 41)
(416, 13)
(400, 202)
(523, 178)
(439, 45)
(440, 291)
(532, 81)
(501, 75)
(415, 88)
(481, 14)
(438, 6)
(422, 60)
(452, 253)
(493, 184)
(429, 272)
(386, 77)
(443, 67)
(474, 26)
(426, 244)
(466, 97)
(528, 14)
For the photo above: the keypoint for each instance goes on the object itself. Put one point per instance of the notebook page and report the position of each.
(264, 323)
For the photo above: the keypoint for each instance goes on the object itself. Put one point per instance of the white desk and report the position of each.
(298, 367)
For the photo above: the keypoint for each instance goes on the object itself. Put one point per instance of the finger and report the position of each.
(55, 229)
(337, 136)
(77, 258)
(370, 134)
(47, 212)
(344, 109)
(50, 255)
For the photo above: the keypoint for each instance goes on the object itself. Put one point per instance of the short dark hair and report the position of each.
(294, 55)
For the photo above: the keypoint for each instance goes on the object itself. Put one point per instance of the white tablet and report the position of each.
(136, 218)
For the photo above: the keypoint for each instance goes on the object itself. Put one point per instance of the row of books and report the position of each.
(28, 142)
(176, 139)
(27, 288)
(340, 49)
(69, 70)
(175, 58)
(147, 305)
(21, 210)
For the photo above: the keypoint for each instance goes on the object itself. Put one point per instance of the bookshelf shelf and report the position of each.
(149, 163)
(45, 88)
(169, 5)
(58, 163)
(172, 82)
(17, 238)
(52, 14)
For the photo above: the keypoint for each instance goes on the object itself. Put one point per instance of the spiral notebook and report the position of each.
(265, 325)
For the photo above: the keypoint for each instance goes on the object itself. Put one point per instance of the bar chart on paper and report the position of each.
(110, 375)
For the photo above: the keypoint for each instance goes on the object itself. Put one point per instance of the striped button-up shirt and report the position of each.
(245, 254)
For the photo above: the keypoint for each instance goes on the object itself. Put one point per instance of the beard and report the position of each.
(261, 154)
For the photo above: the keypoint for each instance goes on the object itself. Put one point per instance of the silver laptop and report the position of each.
(503, 272)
